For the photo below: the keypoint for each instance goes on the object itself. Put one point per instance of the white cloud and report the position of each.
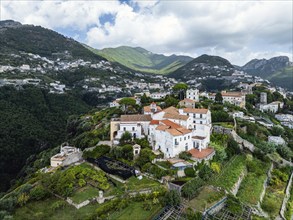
(236, 30)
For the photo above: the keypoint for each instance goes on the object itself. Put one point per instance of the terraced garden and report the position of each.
(230, 173)
(275, 192)
(252, 185)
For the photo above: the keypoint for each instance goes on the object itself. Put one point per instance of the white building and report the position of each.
(271, 107)
(170, 130)
(192, 94)
(158, 95)
(277, 140)
(234, 98)
(68, 155)
(169, 137)
(136, 125)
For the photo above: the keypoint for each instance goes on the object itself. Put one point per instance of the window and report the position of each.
(194, 127)
(194, 122)
(200, 122)
(200, 115)
(185, 138)
(124, 129)
(197, 145)
(193, 144)
(167, 149)
(133, 128)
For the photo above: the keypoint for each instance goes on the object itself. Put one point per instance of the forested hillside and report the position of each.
(31, 120)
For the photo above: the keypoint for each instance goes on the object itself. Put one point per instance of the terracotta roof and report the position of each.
(155, 122)
(125, 118)
(188, 100)
(178, 131)
(196, 110)
(148, 109)
(162, 127)
(201, 154)
(172, 128)
(233, 94)
(171, 110)
(170, 123)
(176, 116)
(199, 137)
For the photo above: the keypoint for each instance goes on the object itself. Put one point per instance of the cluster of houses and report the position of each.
(170, 131)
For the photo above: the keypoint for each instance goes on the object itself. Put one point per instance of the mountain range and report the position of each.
(16, 38)
(140, 59)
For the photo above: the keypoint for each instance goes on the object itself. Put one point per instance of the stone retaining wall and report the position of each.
(287, 196)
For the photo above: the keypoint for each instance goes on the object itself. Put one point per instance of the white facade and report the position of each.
(68, 155)
(192, 94)
(271, 107)
(158, 95)
(234, 98)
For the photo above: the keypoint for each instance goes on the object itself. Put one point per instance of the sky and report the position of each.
(236, 30)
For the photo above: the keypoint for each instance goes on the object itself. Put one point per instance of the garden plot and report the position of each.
(230, 173)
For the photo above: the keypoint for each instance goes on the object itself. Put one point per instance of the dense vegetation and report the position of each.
(42, 41)
(31, 121)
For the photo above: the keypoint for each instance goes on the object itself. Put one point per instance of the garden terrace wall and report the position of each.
(287, 196)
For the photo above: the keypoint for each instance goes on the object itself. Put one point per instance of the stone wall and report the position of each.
(287, 196)
(236, 186)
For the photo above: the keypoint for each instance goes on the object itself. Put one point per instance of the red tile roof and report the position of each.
(204, 153)
(154, 122)
(126, 118)
(195, 110)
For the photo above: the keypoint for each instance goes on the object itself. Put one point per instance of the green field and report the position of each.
(230, 173)
(135, 211)
(84, 193)
(206, 198)
(135, 184)
(42, 210)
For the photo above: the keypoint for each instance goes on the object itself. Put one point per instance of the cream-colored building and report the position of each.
(68, 155)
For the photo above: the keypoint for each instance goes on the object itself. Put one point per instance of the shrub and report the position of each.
(172, 198)
(38, 193)
(189, 171)
(185, 155)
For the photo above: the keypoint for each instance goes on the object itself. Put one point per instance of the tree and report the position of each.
(127, 103)
(125, 138)
(171, 101)
(219, 98)
(185, 155)
(180, 87)
(172, 198)
(215, 167)
(144, 99)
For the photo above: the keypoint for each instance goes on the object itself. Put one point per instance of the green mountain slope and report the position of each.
(202, 66)
(15, 37)
(283, 78)
(140, 59)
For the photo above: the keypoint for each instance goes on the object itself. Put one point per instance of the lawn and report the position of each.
(134, 183)
(42, 210)
(135, 211)
(84, 193)
(230, 173)
(206, 198)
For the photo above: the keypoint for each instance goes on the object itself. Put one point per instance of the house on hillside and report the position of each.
(189, 103)
(234, 98)
(136, 125)
(192, 94)
(68, 155)
(170, 130)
